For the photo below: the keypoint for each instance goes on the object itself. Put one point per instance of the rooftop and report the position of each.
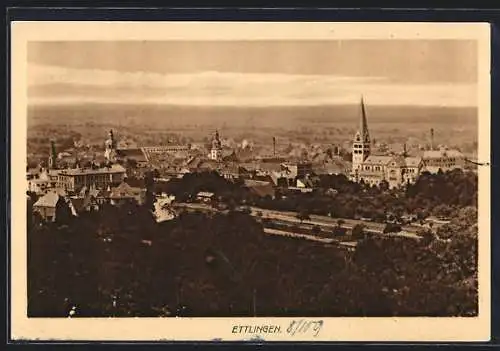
(48, 200)
(378, 160)
(413, 161)
(105, 170)
(442, 153)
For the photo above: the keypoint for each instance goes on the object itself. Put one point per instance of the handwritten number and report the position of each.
(302, 326)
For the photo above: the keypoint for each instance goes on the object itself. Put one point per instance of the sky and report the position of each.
(254, 73)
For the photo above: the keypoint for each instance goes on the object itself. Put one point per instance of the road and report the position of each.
(322, 221)
(299, 236)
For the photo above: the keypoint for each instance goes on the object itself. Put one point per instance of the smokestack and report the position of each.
(432, 138)
(274, 146)
(53, 148)
(53, 155)
(404, 150)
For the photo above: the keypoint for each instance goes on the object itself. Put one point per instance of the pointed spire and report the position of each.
(365, 135)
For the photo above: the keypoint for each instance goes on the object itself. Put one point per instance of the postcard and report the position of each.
(250, 181)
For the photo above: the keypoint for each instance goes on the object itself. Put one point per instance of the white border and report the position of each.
(197, 329)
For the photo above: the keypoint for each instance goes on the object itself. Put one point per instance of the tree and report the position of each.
(303, 215)
(383, 185)
(358, 231)
(131, 163)
(392, 228)
(63, 211)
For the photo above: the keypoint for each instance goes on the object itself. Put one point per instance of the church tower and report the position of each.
(361, 146)
(110, 148)
(216, 151)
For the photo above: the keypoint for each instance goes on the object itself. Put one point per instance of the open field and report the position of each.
(335, 123)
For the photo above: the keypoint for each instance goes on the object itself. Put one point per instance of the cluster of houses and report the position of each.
(87, 199)
(85, 188)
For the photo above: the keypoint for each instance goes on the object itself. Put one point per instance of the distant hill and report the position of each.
(162, 116)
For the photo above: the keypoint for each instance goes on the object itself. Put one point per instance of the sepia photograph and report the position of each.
(274, 181)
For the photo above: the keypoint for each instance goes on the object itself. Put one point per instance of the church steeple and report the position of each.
(362, 134)
(216, 151)
(361, 147)
(110, 148)
(364, 124)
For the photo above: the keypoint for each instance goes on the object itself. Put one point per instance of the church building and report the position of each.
(110, 148)
(216, 150)
(396, 170)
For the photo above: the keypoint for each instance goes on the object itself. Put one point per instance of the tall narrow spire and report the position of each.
(364, 124)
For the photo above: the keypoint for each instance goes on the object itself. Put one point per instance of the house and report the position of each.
(163, 210)
(133, 156)
(47, 204)
(39, 186)
(304, 183)
(260, 188)
(443, 159)
(74, 180)
(205, 196)
(333, 165)
(124, 193)
(87, 200)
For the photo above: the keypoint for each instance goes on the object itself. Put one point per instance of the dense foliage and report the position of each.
(441, 194)
(120, 262)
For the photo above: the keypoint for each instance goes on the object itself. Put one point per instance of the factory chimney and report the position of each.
(274, 146)
(432, 138)
(53, 155)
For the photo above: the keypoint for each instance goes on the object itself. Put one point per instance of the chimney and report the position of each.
(53, 155)
(274, 146)
(432, 138)
(404, 150)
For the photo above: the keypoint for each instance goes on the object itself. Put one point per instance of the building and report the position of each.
(46, 205)
(163, 210)
(166, 148)
(40, 183)
(132, 156)
(165, 153)
(73, 180)
(124, 193)
(110, 148)
(216, 150)
(299, 169)
(396, 170)
(443, 159)
(361, 147)
(260, 188)
(205, 196)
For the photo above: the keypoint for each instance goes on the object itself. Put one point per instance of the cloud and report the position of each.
(60, 85)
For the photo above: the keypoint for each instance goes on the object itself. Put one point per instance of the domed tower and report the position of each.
(216, 151)
(361, 146)
(110, 148)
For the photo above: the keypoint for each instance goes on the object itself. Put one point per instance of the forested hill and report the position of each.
(120, 262)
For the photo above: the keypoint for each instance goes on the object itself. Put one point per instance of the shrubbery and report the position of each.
(198, 265)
